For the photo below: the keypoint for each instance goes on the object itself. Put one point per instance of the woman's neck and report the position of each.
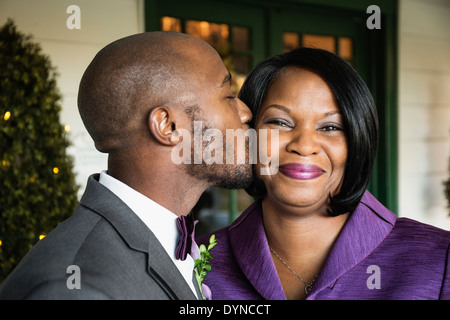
(303, 242)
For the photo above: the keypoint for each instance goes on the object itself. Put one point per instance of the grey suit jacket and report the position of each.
(117, 255)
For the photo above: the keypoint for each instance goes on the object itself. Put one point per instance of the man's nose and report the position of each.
(244, 112)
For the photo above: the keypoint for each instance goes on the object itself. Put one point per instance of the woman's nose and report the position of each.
(304, 142)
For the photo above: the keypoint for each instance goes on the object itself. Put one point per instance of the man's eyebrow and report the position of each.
(225, 80)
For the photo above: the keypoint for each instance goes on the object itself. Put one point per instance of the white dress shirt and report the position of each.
(161, 221)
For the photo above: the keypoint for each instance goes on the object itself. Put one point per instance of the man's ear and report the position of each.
(162, 125)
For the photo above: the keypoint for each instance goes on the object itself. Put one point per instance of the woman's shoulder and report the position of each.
(421, 232)
(406, 227)
(407, 238)
(411, 241)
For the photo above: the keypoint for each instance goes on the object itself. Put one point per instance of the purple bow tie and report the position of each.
(186, 226)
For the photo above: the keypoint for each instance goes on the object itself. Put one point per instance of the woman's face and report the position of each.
(312, 144)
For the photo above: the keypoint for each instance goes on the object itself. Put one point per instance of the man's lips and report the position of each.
(301, 171)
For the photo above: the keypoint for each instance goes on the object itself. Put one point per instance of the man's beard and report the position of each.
(229, 176)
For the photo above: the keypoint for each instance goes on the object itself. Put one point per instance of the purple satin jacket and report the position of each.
(376, 256)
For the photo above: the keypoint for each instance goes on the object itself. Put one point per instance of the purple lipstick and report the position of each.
(301, 171)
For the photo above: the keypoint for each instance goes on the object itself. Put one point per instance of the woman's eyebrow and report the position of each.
(282, 108)
(331, 113)
(288, 111)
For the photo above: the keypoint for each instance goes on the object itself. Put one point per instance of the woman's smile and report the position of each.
(301, 171)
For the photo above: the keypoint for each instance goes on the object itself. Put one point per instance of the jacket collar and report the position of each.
(250, 247)
(365, 229)
(138, 237)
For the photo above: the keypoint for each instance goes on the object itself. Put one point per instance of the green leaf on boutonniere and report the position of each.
(202, 266)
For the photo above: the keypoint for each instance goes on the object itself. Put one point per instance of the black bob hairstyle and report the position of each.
(354, 101)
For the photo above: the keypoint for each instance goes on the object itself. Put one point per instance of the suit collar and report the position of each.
(161, 221)
(250, 247)
(138, 237)
(365, 229)
(101, 200)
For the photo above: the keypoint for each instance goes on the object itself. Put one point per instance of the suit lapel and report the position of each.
(197, 289)
(162, 269)
(249, 244)
(138, 237)
(365, 229)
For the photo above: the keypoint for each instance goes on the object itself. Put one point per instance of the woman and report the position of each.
(314, 232)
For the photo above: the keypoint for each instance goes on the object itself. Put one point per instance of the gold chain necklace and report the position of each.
(308, 287)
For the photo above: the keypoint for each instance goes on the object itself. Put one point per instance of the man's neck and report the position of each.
(168, 186)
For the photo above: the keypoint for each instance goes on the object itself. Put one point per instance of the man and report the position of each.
(120, 242)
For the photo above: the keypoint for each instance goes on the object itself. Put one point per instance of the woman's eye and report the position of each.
(331, 128)
(279, 123)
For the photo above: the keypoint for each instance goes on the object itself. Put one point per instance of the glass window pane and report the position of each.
(244, 200)
(241, 64)
(346, 48)
(241, 38)
(170, 24)
(291, 41)
(239, 69)
(217, 35)
(320, 42)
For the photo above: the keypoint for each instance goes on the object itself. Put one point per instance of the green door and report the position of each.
(236, 31)
(335, 31)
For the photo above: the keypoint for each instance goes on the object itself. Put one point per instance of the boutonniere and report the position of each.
(202, 256)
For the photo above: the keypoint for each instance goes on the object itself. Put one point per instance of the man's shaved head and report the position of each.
(129, 77)
(135, 96)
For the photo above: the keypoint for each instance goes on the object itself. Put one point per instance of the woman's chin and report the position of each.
(304, 201)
